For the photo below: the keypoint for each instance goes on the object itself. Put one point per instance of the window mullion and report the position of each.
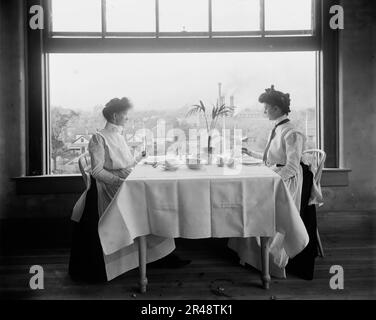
(47, 116)
(262, 17)
(313, 16)
(210, 18)
(104, 18)
(48, 15)
(157, 18)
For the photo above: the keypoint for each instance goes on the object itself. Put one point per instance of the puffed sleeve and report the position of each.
(97, 155)
(294, 143)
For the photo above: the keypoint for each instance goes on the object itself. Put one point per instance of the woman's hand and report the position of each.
(120, 182)
(124, 173)
(252, 153)
(139, 156)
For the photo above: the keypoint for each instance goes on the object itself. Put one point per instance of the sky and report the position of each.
(165, 81)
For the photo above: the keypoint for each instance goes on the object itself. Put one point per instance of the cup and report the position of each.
(231, 163)
(220, 162)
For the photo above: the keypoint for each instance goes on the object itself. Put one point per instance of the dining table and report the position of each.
(207, 201)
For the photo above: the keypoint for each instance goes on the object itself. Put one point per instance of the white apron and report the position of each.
(111, 162)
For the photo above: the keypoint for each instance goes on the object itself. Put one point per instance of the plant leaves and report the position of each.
(195, 108)
(214, 112)
(202, 106)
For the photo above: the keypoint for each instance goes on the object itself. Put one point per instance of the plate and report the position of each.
(251, 162)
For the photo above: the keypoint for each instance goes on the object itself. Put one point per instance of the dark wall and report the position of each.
(12, 103)
(25, 220)
(357, 94)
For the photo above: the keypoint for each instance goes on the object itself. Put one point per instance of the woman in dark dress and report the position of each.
(283, 154)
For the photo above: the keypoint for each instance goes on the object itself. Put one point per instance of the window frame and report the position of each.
(183, 34)
(41, 42)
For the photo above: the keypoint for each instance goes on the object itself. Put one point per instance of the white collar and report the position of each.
(280, 119)
(114, 128)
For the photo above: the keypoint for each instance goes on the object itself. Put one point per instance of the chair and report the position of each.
(317, 160)
(86, 262)
(84, 165)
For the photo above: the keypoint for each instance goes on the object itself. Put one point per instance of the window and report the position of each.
(179, 52)
(183, 16)
(241, 15)
(165, 86)
(130, 16)
(76, 16)
(297, 15)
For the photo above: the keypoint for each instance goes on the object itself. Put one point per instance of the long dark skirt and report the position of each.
(303, 264)
(86, 259)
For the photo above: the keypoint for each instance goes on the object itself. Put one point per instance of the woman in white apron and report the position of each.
(283, 155)
(111, 163)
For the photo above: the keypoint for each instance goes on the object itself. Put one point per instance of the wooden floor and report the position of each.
(348, 239)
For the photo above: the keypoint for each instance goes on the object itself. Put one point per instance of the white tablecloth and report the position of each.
(211, 202)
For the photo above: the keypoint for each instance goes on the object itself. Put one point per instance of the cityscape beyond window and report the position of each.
(164, 87)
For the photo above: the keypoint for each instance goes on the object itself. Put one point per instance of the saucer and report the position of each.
(169, 168)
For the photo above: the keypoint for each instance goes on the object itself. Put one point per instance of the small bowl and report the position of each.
(194, 166)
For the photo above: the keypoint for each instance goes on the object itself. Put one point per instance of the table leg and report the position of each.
(265, 262)
(142, 263)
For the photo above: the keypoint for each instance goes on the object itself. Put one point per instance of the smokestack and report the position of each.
(232, 101)
(220, 93)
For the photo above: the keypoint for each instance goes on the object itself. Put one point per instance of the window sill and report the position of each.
(49, 184)
(335, 177)
(73, 183)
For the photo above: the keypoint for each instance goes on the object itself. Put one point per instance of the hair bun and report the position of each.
(116, 105)
(286, 101)
(276, 98)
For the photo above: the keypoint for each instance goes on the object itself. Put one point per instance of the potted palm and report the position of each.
(217, 111)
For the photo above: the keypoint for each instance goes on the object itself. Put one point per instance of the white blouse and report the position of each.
(285, 150)
(111, 158)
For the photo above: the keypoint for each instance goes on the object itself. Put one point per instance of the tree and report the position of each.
(60, 119)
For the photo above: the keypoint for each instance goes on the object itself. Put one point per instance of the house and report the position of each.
(80, 144)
